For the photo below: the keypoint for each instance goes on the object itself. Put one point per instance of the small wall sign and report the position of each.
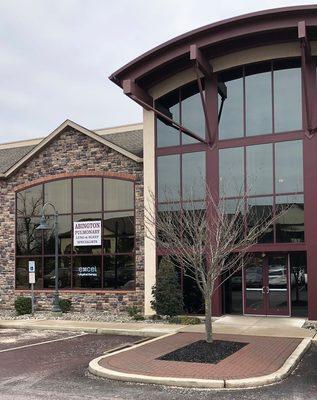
(87, 233)
(31, 266)
(31, 277)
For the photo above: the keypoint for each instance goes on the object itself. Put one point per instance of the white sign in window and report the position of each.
(87, 233)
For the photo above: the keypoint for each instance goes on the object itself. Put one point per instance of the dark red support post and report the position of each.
(310, 166)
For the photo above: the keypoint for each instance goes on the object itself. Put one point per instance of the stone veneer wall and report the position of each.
(70, 153)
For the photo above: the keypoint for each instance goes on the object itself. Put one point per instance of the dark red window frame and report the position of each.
(71, 255)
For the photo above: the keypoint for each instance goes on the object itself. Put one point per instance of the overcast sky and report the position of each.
(56, 55)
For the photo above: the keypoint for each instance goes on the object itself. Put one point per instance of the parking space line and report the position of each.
(40, 343)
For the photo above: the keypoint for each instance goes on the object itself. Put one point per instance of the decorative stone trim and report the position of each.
(97, 174)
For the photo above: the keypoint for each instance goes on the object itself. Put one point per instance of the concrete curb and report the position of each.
(143, 332)
(96, 369)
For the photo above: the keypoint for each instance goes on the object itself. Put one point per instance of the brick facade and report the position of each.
(70, 154)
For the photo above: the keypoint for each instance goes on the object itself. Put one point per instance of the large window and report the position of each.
(110, 266)
(181, 184)
(181, 177)
(271, 176)
(183, 106)
(261, 99)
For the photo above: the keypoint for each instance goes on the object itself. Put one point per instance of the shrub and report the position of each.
(133, 311)
(65, 305)
(155, 317)
(23, 305)
(184, 320)
(167, 294)
(138, 317)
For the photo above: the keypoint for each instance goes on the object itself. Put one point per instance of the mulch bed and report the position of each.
(203, 352)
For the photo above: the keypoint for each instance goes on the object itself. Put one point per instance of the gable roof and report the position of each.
(14, 156)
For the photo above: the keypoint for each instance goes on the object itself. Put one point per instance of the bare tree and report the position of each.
(27, 211)
(209, 240)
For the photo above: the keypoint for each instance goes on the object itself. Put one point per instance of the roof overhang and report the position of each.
(46, 141)
(251, 30)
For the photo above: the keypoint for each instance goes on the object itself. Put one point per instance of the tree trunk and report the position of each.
(208, 322)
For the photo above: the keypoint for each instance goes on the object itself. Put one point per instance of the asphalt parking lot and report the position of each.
(53, 365)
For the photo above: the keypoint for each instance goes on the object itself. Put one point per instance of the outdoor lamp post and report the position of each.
(44, 227)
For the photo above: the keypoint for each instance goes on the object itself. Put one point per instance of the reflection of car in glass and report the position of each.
(254, 276)
(277, 276)
(63, 278)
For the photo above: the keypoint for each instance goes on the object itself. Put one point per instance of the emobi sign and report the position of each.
(87, 233)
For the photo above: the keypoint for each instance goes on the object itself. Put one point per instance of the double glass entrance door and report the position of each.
(266, 286)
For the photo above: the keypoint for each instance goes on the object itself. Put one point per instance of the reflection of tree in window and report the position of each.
(76, 199)
(119, 232)
(29, 203)
(261, 209)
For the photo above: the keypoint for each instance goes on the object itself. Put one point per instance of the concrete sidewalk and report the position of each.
(257, 326)
(237, 325)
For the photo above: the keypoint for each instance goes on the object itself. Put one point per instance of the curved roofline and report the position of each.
(126, 72)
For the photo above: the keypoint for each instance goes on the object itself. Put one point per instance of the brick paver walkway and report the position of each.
(261, 356)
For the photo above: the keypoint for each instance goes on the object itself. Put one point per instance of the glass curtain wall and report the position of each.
(264, 101)
(272, 176)
(261, 99)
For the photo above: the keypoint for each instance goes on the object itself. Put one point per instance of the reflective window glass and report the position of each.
(259, 212)
(193, 117)
(22, 273)
(232, 293)
(118, 194)
(64, 235)
(64, 272)
(258, 94)
(234, 212)
(289, 167)
(118, 232)
(260, 169)
(168, 212)
(194, 172)
(87, 194)
(287, 100)
(119, 272)
(59, 194)
(86, 272)
(29, 239)
(290, 223)
(168, 175)
(298, 279)
(231, 171)
(166, 133)
(30, 201)
(79, 266)
(231, 121)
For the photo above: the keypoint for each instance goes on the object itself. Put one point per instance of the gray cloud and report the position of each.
(56, 56)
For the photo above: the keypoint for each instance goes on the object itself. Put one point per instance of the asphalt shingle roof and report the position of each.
(131, 141)
(9, 157)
